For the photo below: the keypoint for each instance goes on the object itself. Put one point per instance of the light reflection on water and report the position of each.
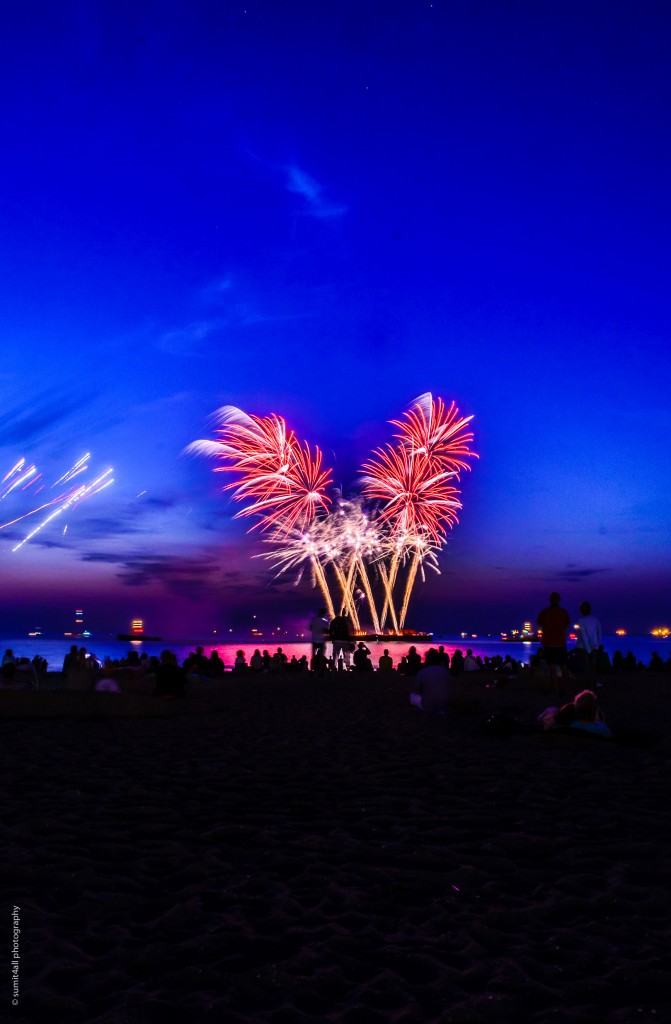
(54, 649)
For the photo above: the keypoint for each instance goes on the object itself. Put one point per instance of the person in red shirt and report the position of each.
(553, 622)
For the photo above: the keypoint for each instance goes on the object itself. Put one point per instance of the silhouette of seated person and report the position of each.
(170, 678)
(69, 659)
(603, 662)
(320, 663)
(240, 663)
(444, 656)
(10, 681)
(216, 667)
(81, 674)
(361, 658)
(432, 685)
(279, 660)
(386, 664)
(457, 663)
(470, 663)
(413, 662)
(197, 664)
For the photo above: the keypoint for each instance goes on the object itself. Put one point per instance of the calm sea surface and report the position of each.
(54, 649)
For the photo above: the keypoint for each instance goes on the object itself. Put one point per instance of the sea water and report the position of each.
(55, 648)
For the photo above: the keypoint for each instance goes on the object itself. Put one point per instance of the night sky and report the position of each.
(324, 210)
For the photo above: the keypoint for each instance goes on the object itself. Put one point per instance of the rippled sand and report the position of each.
(294, 849)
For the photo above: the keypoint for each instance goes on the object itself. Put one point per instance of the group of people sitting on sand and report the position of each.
(431, 693)
(266, 662)
(432, 677)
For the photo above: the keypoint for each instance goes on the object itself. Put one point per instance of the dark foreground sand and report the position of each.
(294, 849)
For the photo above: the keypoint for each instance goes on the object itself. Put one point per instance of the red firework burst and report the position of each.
(417, 500)
(283, 478)
(291, 497)
(437, 431)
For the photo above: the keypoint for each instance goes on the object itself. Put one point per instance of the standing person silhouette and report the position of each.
(589, 637)
(340, 639)
(553, 622)
(319, 631)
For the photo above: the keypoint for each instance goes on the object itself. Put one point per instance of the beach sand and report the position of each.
(288, 849)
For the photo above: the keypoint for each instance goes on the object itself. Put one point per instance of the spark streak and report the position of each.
(24, 478)
(80, 494)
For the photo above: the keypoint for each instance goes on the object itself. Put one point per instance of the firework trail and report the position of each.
(424, 554)
(79, 467)
(80, 494)
(314, 545)
(68, 499)
(13, 470)
(23, 476)
(361, 542)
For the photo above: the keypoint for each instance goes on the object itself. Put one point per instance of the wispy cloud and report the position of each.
(193, 339)
(27, 422)
(317, 204)
(573, 574)
(192, 577)
(188, 340)
(12, 537)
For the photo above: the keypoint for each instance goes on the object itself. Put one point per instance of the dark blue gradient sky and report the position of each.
(325, 210)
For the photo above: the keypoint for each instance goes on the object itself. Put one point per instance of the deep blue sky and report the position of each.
(325, 210)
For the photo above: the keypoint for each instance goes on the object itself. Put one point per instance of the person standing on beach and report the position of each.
(319, 631)
(340, 639)
(553, 622)
(589, 635)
